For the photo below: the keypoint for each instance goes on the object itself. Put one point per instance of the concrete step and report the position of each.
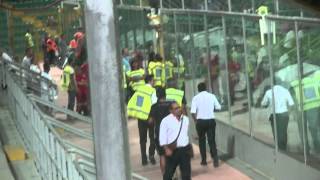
(23, 168)
(5, 172)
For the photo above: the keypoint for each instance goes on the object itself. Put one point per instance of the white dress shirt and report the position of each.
(169, 129)
(283, 99)
(204, 104)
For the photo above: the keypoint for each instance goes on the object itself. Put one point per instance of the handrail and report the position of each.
(64, 110)
(51, 156)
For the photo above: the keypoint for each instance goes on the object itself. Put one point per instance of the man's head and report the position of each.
(29, 52)
(202, 87)
(149, 79)
(134, 64)
(175, 109)
(161, 93)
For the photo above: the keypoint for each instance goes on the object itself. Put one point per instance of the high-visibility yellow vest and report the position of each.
(168, 71)
(29, 40)
(139, 105)
(155, 68)
(136, 74)
(124, 79)
(311, 92)
(66, 76)
(173, 94)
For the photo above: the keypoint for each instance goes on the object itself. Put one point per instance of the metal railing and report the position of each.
(40, 138)
(55, 157)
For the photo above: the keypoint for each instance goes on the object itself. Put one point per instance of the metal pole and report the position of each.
(226, 64)
(272, 85)
(245, 47)
(229, 6)
(109, 122)
(208, 51)
(193, 65)
(300, 74)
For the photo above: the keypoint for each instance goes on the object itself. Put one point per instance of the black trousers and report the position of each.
(282, 120)
(71, 99)
(180, 157)
(144, 126)
(207, 127)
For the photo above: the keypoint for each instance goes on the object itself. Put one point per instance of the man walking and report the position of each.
(159, 111)
(139, 107)
(202, 110)
(175, 141)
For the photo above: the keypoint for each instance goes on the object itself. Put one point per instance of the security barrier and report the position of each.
(46, 147)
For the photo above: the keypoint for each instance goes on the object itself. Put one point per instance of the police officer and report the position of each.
(311, 105)
(139, 107)
(155, 68)
(135, 76)
(177, 95)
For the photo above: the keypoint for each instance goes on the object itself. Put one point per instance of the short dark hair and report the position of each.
(172, 103)
(148, 78)
(161, 93)
(202, 87)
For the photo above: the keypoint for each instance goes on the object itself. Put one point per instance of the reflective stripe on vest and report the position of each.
(139, 105)
(174, 95)
(311, 92)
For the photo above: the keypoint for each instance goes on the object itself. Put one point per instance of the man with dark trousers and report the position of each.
(202, 110)
(174, 130)
(159, 111)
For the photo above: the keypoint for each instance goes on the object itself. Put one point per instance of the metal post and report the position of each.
(193, 65)
(177, 46)
(108, 114)
(206, 5)
(245, 47)
(183, 6)
(208, 51)
(226, 63)
(272, 84)
(300, 74)
(229, 6)
(10, 31)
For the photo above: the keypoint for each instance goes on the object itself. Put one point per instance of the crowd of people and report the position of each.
(157, 100)
(71, 58)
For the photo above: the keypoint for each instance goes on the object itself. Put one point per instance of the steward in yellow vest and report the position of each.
(136, 75)
(139, 107)
(167, 71)
(174, 94)
(155, 68)
(310, 105)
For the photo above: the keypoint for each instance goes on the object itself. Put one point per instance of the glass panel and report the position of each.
(285, 70)
(237, 73)
(194, 4)
(217, 66)
(308, 34)
(259, 72)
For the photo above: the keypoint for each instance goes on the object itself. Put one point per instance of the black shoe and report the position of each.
(144, 162)
(152, 160)
(203, 163)
(216, 162)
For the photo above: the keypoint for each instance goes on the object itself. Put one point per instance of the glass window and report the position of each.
(309, 40)
(238, 73)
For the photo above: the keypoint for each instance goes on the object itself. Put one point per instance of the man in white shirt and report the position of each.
(202, 110)
(174, 129)
(283, 100)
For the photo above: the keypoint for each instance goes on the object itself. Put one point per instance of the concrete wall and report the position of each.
(260, 156)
